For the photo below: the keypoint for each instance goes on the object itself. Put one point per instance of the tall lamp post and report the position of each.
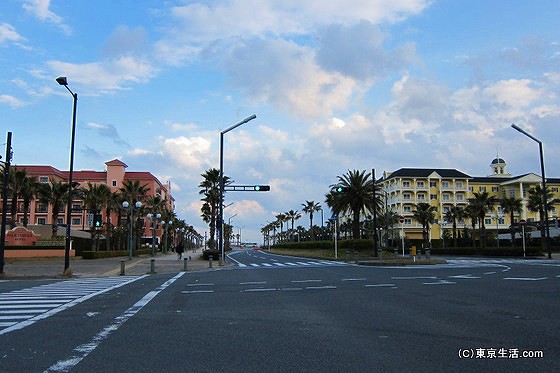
(5, 199)
(153, 221)
(222, 186)
(63, 81)
(166, 226)
(127, 205)
(544, 197)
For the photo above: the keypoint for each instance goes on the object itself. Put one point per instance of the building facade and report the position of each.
(114, 176)
(445, 188)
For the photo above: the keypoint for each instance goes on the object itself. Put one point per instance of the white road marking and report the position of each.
(82, 351)
(525, 278)
(379, 285)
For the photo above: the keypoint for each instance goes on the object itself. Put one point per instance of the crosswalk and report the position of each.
(21, 308)
(292, 264)
(491, 262)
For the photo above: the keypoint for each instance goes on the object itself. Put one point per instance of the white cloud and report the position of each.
(40, 9)
(11, 101)
(8, 33)
(107, 75)
(286, 75)
(188, 152)
(513, 92)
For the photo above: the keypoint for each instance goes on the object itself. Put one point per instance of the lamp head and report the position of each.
(62, 80)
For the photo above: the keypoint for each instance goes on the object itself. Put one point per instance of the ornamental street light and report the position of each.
(222, 186)
(153, 221)
(166, 227)
(544, 192)
(63, 81)
(130, 207)
(5, 199)
(498, 217)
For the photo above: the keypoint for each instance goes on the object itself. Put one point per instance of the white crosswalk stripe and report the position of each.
(21, 308)
(300, 264)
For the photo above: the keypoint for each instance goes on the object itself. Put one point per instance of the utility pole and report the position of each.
(5, 199)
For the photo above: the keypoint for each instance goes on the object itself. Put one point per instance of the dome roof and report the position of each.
(498, 160)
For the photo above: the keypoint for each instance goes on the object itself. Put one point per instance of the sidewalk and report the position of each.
(40, 268)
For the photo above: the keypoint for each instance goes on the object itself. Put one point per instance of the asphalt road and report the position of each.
(499, 316)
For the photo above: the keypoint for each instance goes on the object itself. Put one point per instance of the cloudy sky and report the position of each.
(335, 85)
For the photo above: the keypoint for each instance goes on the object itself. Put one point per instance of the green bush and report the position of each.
(351, 245)
(215, 254)
(112, 254)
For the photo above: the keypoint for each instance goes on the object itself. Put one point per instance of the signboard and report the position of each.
(21, 236)
(401, 219)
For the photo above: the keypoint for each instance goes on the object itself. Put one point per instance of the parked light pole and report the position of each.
(5, 199)
(544, 196)
(126, 205)
(153, 221)
(63, 81)
(222, 185)
(498, 217)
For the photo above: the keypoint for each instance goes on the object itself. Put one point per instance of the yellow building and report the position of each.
(444, 188)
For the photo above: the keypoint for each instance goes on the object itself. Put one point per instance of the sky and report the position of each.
(335, 86)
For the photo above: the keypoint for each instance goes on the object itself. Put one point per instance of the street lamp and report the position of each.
(544, 196)
(221, 205)
(126, 205)
(166, 227)
(153, 221)
(63, 81)
(5, 199)
(498, 217)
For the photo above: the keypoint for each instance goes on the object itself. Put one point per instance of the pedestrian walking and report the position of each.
(179, 250)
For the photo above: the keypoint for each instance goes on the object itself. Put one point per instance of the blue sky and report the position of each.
(335, 85)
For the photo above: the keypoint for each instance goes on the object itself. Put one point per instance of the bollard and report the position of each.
(210, 261)
(122, 267)
(185, 261)
(152, 266)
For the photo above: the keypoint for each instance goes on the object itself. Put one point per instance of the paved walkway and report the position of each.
(35, 268)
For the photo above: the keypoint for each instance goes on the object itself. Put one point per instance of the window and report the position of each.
(419, 184)
(406, 184)
(433, 184)
(555, 190)
(512, 192)
(76, 207)
(43, 179)
(406, 196)
(41, 208)
(41, 221)
(471, 189)
(446, 196)
(421, 196)
(60, 221)
(114, 183)
(445, 184)
(459, 184)
(433, 196)
(407, 221)
(460, 197)
(495, 189)
(445, 209)
(487, 221)
(407, 209)
(76, 221)
(482, 189)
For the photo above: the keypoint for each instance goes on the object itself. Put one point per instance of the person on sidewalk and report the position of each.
(179, 250)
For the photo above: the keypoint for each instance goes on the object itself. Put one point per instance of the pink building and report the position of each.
(113, 177)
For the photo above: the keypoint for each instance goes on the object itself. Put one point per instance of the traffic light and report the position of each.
(262, 188)
(339, 189)
(97, 220)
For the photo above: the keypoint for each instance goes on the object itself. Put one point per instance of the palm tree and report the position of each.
(425, 214)
(16, 181)
(472, 214)
(293, 216)
(28, 192)
(133, 192)
(55, 194)
(281, 219)
(354, 194)
(309, 207)
(512, 206)
(210, 188)
(535, 204)
(481, 203)
(96, 198)
(454, 214)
